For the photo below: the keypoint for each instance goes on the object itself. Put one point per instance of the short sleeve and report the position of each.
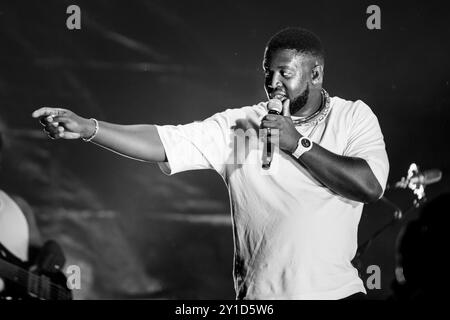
(366, 141)
(195, 146)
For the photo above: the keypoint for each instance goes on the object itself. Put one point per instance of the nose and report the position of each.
(275, 81)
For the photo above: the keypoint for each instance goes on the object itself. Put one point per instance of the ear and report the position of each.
(317, 74)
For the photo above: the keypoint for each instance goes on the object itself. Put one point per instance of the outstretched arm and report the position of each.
(140, 142)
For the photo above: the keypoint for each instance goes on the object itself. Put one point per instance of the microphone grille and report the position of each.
(275, 104)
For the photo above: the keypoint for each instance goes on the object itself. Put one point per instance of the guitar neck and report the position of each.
(36, 286)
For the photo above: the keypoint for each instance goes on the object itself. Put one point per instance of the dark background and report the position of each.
(136, 233)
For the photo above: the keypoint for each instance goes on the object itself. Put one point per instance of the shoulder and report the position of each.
(28, 214)
(10, 199)
(251, 111)
(349, 106)
(350, 111)
(20, 202)
(247, 116)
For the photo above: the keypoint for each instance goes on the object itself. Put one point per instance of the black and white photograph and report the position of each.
(236, 152)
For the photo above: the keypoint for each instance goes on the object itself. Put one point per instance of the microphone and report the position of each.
(275, 107)
(420, 178)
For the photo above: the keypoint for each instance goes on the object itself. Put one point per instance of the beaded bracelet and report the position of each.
(95, 131)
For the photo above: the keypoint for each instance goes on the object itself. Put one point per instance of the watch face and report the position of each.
(306, 143)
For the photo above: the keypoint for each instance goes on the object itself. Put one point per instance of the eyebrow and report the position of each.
(285, 67)
(266, 66)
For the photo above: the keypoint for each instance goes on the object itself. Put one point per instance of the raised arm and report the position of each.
(140, 142)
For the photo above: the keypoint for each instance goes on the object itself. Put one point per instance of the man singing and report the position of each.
(294, 223)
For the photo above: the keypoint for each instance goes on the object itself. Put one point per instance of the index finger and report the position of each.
(45, 111)
(270, 117)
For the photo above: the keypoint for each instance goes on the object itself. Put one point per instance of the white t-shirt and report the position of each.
(294, 238)
(14, 233)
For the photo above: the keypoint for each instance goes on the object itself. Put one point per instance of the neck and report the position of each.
(312, 105)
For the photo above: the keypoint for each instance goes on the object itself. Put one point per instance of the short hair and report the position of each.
(301, 40)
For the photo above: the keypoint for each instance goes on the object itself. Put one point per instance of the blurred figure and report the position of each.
(16, 213)
(21, 245)
(421, 249)
(18, 230)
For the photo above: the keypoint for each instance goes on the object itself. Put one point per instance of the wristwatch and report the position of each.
(304, 145)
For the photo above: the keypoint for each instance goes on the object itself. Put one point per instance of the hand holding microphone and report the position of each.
(279, 118)
(275, 107)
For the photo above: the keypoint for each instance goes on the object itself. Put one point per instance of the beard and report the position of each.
(300, 101)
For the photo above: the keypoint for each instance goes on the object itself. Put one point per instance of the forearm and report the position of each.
(349, 177)
(140, 142)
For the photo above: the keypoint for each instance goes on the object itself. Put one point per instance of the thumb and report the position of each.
(286, 110)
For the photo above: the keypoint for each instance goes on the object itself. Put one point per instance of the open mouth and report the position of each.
(279, 96)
